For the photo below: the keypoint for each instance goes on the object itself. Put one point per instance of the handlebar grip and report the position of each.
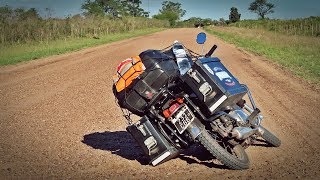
(214, 47)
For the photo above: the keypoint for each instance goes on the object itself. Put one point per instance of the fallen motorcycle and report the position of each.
(184, 98)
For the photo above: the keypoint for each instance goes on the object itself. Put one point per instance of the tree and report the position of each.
(170, 11)
(262, 8)
(222, 21)
(8, 14)
(168, 6)
(234, 15)
(132, 8)
(49, 12)
(5, 13)
(31, 13)
(207, 22)
(114, 8)
(93, 8)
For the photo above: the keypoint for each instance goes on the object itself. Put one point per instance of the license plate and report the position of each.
(182, 118)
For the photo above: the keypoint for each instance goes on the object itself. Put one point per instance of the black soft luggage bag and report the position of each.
(160, 70)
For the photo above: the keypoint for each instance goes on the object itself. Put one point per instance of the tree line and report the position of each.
(260, 7)
(170, 11)
(100, 17)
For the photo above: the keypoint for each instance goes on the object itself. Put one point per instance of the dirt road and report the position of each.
(58, 118)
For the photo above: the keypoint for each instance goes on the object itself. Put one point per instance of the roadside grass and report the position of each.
(299, 54)
(12, 54)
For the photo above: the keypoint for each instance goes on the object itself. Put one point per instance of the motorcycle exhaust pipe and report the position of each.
(242, 132)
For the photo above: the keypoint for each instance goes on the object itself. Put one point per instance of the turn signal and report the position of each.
(179, 100)
(166, 113)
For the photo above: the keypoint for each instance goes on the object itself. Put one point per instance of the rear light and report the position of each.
(172, 109)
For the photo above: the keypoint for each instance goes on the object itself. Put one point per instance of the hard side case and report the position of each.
(213, 84)
(153, 143)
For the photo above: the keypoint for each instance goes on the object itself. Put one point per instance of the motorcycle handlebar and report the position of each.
(214, 47)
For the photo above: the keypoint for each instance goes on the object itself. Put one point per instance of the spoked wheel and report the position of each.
(233, 156)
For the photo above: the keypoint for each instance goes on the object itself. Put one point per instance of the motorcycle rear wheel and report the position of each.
(235, 157)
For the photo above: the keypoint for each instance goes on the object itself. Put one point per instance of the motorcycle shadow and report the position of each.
(197, 154)
(122, 144)
(119, 142)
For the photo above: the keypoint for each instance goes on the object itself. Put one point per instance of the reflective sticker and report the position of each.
(223, 75)
(215, 105)
(209, 69)
(225, 78)
(217, 69)
(229, 82)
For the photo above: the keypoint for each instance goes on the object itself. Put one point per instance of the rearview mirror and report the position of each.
(201, 38)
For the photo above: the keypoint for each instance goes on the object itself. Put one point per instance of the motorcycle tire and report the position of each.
(238, 160)
(270, 138)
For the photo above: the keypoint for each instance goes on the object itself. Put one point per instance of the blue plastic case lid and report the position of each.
(221, 75)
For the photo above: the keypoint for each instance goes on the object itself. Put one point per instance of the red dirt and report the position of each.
(58, 118)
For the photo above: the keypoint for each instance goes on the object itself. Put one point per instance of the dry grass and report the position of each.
(17, 31)
(12, 54)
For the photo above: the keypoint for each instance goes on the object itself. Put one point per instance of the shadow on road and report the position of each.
(197, 154)
(119, 142)
(122, 144)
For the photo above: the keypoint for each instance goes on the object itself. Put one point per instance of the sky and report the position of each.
(214, 9)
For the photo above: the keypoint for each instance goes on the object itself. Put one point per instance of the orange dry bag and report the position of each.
(127, 71)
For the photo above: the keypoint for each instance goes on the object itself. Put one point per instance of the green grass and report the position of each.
(306, 26)
(299, 54)
(12, 54)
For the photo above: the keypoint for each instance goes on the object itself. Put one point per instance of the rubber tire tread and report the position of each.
(222, 154)
(270, 138)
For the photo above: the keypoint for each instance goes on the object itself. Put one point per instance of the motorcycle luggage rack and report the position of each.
(191, 53)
